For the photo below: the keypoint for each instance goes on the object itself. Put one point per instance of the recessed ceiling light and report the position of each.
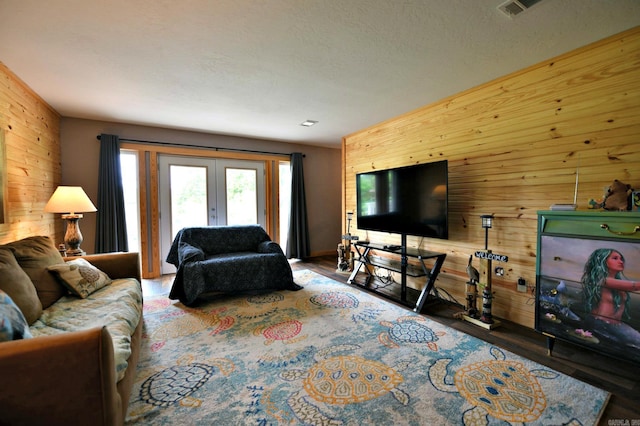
(308, 123)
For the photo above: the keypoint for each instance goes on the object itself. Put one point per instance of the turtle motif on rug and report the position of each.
(346, 303)
(409, 330)
(499, 388)
(188, 321)
(340, 380)
(258, 306)
(286, 331)
(176, 384)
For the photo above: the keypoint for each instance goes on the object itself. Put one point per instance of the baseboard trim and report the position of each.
(324, 253)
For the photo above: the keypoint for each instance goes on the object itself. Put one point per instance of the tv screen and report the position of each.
(408, 200)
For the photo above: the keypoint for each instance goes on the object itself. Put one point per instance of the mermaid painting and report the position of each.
(607, 297)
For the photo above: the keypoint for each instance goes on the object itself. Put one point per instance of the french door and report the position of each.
(197, 191)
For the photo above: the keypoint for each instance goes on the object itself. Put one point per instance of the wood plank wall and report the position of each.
(31, 131)
(513, 146)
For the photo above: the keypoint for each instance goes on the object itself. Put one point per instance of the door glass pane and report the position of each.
(188, 197)
(285, 201)
(129, 176)
(242, 198)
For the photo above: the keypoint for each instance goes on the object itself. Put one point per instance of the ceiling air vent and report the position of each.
(512, 8)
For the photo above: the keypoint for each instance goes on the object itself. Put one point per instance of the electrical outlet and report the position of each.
(522, 285)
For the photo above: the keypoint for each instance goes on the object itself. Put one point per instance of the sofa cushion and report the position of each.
(17, 284)
(13, 325)
(34, 254)
(117, 306)
(80, 277)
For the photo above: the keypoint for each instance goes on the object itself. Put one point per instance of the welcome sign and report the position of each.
(491, 256)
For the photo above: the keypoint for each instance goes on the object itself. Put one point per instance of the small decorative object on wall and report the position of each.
(343, 264)
(486, 256)
(345, 256)
(3, 180)
(635, 201)
(619, 197)
(487, 223)
(472, 289)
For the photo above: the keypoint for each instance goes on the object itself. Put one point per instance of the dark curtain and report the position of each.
(298, 246)
(111, 226)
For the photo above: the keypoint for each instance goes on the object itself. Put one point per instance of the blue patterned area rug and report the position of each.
(331, 354)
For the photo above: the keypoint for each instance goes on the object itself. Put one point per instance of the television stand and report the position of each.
(400, 293)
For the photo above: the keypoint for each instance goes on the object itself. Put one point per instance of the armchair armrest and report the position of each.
(269, 247)
(189, 253)
(116, 265)
(68, 378)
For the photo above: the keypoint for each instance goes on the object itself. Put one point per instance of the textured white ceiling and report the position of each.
(258, 68)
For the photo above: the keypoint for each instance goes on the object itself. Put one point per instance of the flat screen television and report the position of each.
(409, 200)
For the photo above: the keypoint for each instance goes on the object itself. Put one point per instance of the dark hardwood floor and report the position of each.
(620, 378)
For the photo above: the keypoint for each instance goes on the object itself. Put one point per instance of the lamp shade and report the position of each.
(487, 221)
(69, 199)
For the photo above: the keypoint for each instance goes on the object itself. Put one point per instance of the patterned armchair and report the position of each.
(227, 259)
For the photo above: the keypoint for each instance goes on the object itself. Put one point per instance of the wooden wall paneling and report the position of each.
(146, 266)
(154, 201)
(513, 146)
(32, 142)
(149, 213)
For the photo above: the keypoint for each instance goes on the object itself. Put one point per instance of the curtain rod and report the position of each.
(202, 147)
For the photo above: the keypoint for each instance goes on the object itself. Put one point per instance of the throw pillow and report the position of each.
(80, 277)
(13, 325)
(34, 254)
(18, 286)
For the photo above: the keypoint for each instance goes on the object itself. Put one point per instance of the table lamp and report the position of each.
(70, 200)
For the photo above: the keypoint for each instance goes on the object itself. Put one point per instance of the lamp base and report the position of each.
(73, 236)
(77, 252)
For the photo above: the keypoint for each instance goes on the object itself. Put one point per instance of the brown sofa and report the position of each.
(69, 377)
